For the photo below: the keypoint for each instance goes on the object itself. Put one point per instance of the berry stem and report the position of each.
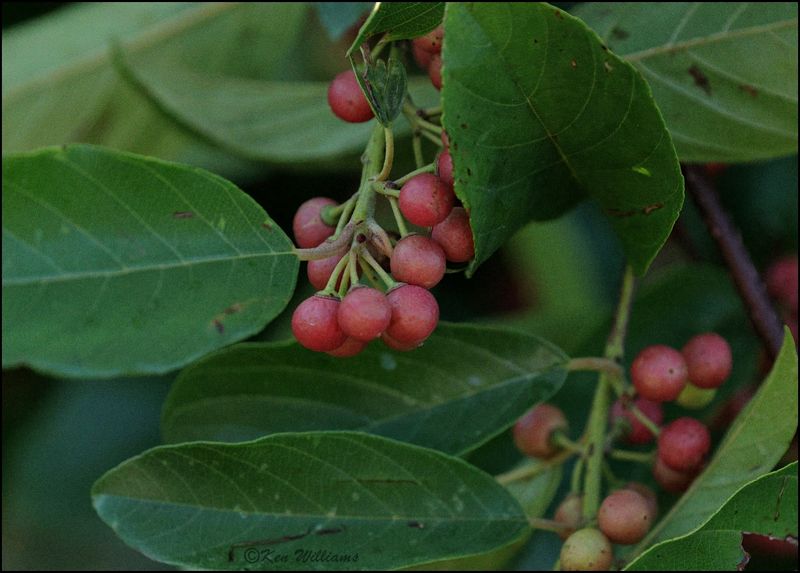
(385, 190)
(629, 456)
(561, 440)
(369, 273)
(387, 280)
(745, 275)
(596, 364)
(344, 285)
(416, 144)
(388, 157)
(596, 426)
(577, 473)
(432, 138)
(415, 119)
(431, 111)
(344, 215)
(429, 168)
(547, 524)
(353, 267)
(373, 159)
(330, 288)
(531, 471)
(398, 217)
(646, 422)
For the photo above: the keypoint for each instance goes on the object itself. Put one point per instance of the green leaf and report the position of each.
(724, 74)
(59, 85)
(541, 116)
(118, 264)
(476, 378)
(374, 502)
(767, 505)
(753, 445)
(339, 17)
(386, 85)
(399, 21)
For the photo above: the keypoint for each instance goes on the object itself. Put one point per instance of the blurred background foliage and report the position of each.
(557, 280)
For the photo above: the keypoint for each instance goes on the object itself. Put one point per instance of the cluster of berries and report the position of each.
(659, 374)
(427, 51)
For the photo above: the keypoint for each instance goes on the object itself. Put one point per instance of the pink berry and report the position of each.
(319, 271)
(425, 200)
(683, 444)
(649, 495)
(346, 99)
(445, 167)
(782, 282)
(309, 228)
(708, 359)
(422, 57)
(364, 313)
(570, 513)
(315, 324)
(637, 433)
(671, 480)
(430, 42)
(533, 431)
(399, 346)
(659, 373)
(351, 347)
(454, 235)
(435, 71)
(625, 517)
(418, 260)
(415, 314)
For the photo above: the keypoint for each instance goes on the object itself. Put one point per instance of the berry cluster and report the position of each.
(373, 283)
(427, 51)
(658, 374)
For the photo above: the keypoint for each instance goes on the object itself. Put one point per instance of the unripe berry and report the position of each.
(418, 260)
(694, 398)
(649, 495)
(781, 279)
(435, 71)
(534, 430)
(421, 56)
(415, 314)
(399, 346)
(683, 444)
(586, 550)
(708, 360)
(346, 99)
(625, 517)
(444, 167)
(315, 324)
(569, 512)
(308, 227)
(351, 347)
(454, 235)
(364, 313)
(425, 200)
(319, 271)
(637, 433)
(671, 480)
(659, 373)
(430, 42)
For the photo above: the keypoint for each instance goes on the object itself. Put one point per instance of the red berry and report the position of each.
(533, 431)
(425, 200)
(649, 495)
(319, 271)
(421, 56)
(418, 260)
(624, 517)
(659, 373)
(708, 360)
(569, 512)
(671, 480)
(309, 228)
(315, 324)
(455, 236)
(586, 550)
(782, 282)
(430, 42)
(444, 166)
(364, 313)
(351, 347)
(435, 71)
(683, 444)
(346, 99)
(638, 432)
(415, 314)
(399, 346)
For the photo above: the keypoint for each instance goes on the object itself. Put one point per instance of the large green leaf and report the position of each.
(475, 378)
(374, 502)
(399, 20)
(724, 74)
(540, 116)
(767, 505)
(119, 264)
(753, 445)
(59, 85)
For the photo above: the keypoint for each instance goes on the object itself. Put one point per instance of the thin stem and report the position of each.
(595, 364)
(645, 421)
(561, 440)
(388, 281)
(429, 168)
(344, 285)
(532, 470)
(628, 456)
(388, 158)
(347, 210)
(425, 124)
(745, 275)
(330, 288)
(577, 473)
(384, 190)
(369, 273)
(431, 111)
(416, 144)
(547, 524)
(372, 158)
(596, 427)
(398, 217)
(353, 266)
(432, 138)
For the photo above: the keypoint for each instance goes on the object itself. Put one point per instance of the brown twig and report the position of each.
(745, 276)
